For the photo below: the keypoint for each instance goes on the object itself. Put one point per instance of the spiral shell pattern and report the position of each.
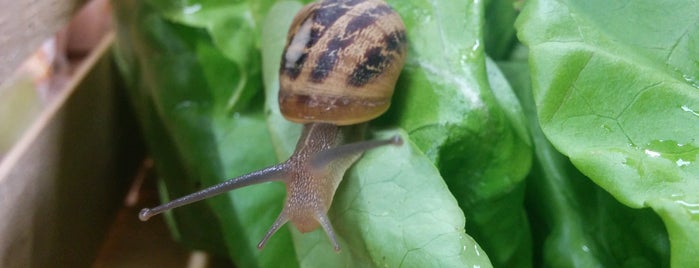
(341, 62)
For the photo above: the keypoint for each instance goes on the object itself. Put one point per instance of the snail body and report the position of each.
(339, 68)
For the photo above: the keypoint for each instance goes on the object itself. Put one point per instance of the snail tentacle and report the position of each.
(272, 173)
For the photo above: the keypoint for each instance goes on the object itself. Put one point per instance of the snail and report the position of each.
(338, 70)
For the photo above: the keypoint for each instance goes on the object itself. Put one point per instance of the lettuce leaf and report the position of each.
(575, 223)
(607, 110)
(615, 84)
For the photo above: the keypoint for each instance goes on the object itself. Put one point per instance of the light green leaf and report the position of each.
(577, 223)
(615, 85)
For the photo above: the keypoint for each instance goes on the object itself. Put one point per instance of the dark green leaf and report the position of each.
(143, 35)
(181, 92)
(499, 32)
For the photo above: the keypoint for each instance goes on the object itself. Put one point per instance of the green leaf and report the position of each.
(143, 46)
(233, 29)
(499, 32)
(395, 203)
(177, 72)
(616, 87)
(578, 224)
(445, 102)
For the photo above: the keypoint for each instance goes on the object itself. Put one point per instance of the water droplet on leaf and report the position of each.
(687, 109)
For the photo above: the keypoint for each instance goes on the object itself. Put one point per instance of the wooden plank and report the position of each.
(24, 25)
(61, 185)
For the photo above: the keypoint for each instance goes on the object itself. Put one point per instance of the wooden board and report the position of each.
(61, 184)
(25, 25)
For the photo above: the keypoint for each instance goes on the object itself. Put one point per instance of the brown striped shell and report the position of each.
(341, 62)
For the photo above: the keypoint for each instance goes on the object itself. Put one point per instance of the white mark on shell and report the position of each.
(298, 44)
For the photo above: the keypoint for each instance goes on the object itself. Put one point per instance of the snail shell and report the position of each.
(341, 62)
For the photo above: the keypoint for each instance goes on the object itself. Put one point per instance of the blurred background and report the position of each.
(73, 168)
